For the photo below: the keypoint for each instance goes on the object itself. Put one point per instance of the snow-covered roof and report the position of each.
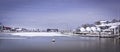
(107, 30)
(93, 28)
(103, 21)
(82, 29)
(113, 27)
(110, 24)
(88, 29)
(98, 29)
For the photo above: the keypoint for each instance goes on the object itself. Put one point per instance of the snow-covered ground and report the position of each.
(37, 34)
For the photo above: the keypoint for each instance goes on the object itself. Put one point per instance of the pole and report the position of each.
(1, 28)
(114, 31)
(99, 34)
(119, 30)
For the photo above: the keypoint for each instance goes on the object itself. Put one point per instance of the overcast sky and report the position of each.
(64, 14)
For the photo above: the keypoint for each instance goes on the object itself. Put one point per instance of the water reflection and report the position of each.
(63, 44)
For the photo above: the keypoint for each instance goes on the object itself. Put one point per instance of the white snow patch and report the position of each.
(38, 34)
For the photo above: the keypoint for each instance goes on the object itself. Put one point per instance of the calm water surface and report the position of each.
(61, 44)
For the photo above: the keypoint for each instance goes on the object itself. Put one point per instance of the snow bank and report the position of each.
(38, 34)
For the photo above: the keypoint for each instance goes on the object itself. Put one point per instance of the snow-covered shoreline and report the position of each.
(52, 34)
(36, 34)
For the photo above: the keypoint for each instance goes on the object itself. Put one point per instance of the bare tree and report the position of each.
(87, 25)
(97, 23)
(114, 20)
(119, 20)
(107, 22)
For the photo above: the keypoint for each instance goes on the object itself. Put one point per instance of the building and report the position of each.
(52, 30)
(87, 30)
(114, 28)
(104, 28)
